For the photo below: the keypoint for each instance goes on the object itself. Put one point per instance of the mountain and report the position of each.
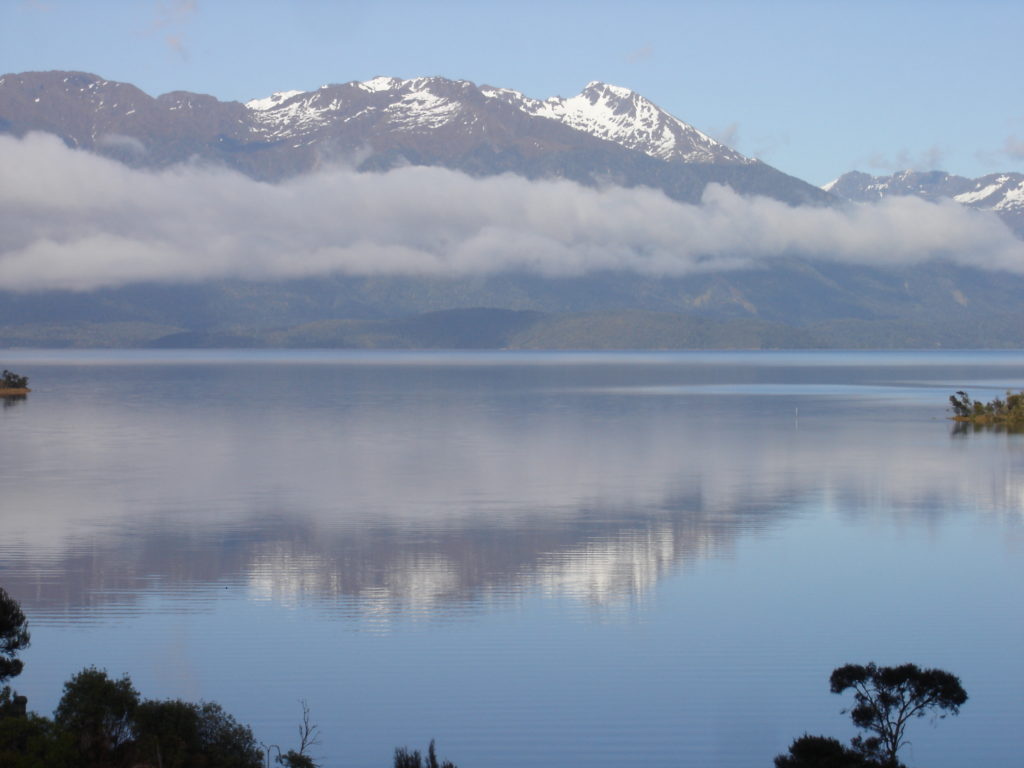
(427, 104)
(605, 134)
(1002, 193)
(791, 303)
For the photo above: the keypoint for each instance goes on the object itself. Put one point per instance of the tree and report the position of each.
(181, 734)
(821, 752)
(406, 759)
(14, 636)
(166, 733)
(308, 738)
(98, 712)
(32, 741)
(9, 380)
(886, 699)
(961, 405)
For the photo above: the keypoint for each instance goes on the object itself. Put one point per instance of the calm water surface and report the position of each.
(541, 559)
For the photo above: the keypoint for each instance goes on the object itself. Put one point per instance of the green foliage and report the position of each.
(9, 380)
(166, 732)
(225, 738)
(101, 723)
(32, 741)
(181, 734)
(99, 712)
(14, 636)
(887, 698)
(1008, 412)
(821, 752)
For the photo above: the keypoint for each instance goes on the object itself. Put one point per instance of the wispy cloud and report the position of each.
(642, 53)
(1014, 147)
(172, 17)
(76, 221)
(730, 135)
(930, 159)
(118, 141)
(766, 146)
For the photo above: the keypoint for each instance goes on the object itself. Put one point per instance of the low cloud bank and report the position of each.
(71, 220)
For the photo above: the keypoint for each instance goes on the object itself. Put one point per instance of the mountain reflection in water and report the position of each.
(397, 488)
(543, 559)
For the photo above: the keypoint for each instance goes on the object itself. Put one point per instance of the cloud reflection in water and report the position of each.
(429, 489)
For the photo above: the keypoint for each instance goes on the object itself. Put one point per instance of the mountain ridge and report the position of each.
(605, 134)
(1001, 193)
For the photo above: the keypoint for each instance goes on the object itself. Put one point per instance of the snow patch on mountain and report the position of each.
(296, 114)
(1012, 199)
(977, 195)
(378, 84)
(422, 110)
(274, 100)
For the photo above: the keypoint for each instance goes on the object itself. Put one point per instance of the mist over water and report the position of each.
(544, 558)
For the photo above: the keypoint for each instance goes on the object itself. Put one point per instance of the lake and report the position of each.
(541, 559)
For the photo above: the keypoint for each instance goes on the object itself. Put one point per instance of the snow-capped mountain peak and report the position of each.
(1002, 193)
(618, 114)
(378, 84)
(609, 112)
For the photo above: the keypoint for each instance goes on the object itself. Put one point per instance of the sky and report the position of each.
(815, 89)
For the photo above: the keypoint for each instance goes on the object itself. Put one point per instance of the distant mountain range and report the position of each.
(999, 192)
(604, 135)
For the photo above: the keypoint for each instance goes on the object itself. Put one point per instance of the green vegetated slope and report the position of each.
(790, 303)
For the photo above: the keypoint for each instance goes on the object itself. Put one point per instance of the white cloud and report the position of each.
(76, 221)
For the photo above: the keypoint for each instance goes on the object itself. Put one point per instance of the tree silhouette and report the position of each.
(406, 759)
(886, 699)
(821, 752)
(181, 734)
(11, 380)
(99, 711)
(14, 636)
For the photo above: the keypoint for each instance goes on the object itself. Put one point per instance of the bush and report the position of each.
(1008, 412)
(9, 380)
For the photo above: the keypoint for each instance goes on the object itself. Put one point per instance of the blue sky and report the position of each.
(813, 88)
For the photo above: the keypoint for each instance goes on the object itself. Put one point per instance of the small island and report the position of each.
(13, 385)
(1008, 412)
